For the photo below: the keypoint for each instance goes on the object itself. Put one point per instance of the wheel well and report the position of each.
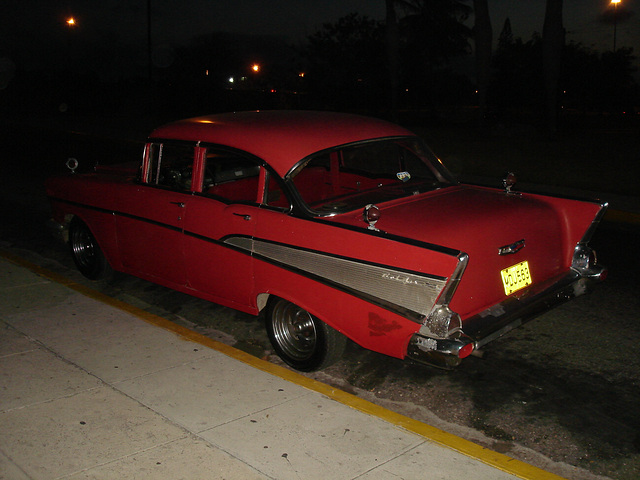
(68, 218)
(263, 299)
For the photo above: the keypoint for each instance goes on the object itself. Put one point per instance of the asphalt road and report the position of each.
(561, 392)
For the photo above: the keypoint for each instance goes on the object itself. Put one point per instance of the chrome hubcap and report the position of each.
(83, 248)
(294, 329)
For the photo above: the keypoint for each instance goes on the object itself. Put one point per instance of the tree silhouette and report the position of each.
(392, 39)
(483, 37)
(552, 48)
(346, 62)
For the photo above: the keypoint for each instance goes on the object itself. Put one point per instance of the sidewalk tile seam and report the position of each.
(183, 431)
(249, 415)
(124, 457)
(14, 464)
(494, 459)
(18, 353)
(55, 399)
(32, 341)
(410, 448)
(221, 447)
(155, 372)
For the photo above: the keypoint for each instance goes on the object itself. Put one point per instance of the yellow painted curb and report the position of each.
(497, 460)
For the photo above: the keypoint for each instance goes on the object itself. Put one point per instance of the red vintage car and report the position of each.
(334, 226)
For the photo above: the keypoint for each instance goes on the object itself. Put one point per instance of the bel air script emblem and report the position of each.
(404, 279)
(513, 248)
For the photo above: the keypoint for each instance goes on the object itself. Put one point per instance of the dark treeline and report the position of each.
(420, 59)
(590, 81)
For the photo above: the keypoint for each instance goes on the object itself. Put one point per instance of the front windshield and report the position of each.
(353, 176)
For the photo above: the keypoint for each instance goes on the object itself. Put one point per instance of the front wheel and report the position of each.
(86, 253)
(303, 341)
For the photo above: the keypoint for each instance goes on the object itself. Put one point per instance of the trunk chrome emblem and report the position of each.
(513, 248)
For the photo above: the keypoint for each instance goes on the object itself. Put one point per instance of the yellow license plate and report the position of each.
(516, 277)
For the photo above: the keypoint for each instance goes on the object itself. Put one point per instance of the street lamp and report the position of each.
(615, 21)
(71, 22)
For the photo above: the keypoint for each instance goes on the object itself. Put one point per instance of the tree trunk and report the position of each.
(393, 57)
(552, 50)
(483, 37)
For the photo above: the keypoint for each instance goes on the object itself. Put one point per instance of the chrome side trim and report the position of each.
(408, 290)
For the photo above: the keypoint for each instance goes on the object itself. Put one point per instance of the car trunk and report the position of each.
(481, 221)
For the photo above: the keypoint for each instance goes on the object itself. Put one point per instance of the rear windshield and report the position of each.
(353, 176)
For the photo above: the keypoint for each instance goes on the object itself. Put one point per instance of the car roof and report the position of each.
(280, 137)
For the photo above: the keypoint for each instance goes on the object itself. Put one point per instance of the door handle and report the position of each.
(243, 215)
(180, 204)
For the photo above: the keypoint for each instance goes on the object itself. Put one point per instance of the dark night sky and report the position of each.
(34, 31)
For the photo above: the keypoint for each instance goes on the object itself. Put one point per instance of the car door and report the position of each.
(228, 209)
(150, 225)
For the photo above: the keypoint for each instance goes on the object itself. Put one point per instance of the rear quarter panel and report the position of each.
(92, 198)
(369, 325)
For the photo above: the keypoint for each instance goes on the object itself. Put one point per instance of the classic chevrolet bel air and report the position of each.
(333, 226)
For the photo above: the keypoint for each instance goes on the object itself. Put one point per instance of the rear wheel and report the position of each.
(303, 341)
(86, 252)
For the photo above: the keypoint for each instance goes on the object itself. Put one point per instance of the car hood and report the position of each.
(479, 222)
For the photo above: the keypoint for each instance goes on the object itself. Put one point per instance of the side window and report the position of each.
(274, 195)
(171, 166)
(231, 176)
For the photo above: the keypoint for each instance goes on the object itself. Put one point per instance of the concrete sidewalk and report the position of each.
(93, 388)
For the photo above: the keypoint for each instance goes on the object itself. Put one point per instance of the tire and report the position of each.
(303, 341)
(86, 252)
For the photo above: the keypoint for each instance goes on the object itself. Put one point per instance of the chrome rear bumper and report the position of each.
(502, 318)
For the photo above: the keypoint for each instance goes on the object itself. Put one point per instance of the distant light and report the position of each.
(71, 22)
(615, 1)
(206, 73)
(301, 74)
(231, 79)
(255, 67)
